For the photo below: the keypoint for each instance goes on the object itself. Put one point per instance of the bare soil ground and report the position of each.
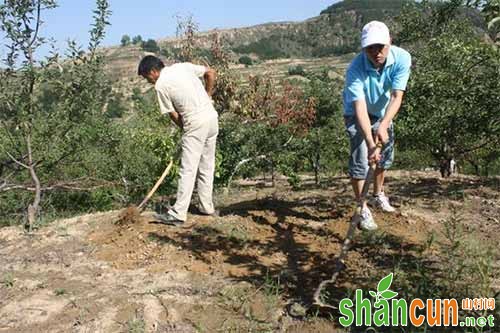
(253, 269)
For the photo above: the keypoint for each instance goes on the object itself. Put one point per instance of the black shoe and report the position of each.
(170, 220)
(215, 213)
(162, 208)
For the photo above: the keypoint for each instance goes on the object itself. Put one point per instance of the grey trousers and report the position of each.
(197, 164)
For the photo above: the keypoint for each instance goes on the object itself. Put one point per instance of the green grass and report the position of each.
(136, 325)
(273, 290)
(60, 292)
(8, 280)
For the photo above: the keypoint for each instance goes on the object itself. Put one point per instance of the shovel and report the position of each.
(339, 266)
(132, 214)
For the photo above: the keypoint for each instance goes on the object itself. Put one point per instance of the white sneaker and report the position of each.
(365, 220)
(381, 201)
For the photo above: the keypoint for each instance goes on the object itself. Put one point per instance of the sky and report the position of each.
(157, 18)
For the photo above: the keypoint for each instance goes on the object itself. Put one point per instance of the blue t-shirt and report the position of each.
(363, 81)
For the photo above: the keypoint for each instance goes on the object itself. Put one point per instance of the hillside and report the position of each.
(122, 68)
(368, 8)
(335, 31)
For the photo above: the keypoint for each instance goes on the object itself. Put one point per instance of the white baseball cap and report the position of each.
(375, 32)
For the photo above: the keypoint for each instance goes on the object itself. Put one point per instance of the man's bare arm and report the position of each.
(361, 112)
(176, 118)
(392, 110)
(209, 78)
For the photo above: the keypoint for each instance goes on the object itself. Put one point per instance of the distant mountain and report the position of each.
(335, 31)
(370, 8)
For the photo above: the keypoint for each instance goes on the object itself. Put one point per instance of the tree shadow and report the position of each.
(432, 188)
(307, 229)
(305, 265)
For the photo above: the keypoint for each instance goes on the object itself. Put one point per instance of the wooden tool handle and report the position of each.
(153, 190)
(369, 179)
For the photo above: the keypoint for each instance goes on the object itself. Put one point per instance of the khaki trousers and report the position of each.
(197, 164)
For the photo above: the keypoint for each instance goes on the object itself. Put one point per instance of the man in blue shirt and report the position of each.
(375, 83)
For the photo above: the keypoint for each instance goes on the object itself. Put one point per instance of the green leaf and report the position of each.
(374, 294)
(388, 294)
(385, 283)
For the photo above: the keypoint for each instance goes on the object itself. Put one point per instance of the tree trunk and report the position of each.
(317, 161)
(477, 170)
(317, 168)
(239, 165)
(34, 207)
(272, 174)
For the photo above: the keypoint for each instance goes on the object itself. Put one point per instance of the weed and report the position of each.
(234, 297)
(231, 231)
(136, 325)
(60, 291)
(62, 231)
(238, 234)
(8, 280)
(273, 290)
(451, 265)
(468, 261)
(199, 328)
(375, 239)
(153, 238)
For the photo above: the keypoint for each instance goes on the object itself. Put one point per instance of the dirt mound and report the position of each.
(130, 215)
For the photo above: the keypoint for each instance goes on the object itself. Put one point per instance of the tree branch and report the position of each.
(239, 165)
(288, 141)
(70, 186)
(466, 75)
(16, 161)
(478, 146)
(38, 22)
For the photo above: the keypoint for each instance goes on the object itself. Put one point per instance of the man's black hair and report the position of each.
(148, 64)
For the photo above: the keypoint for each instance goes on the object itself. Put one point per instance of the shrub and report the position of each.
(137, 40)
(150, 46)
(115, 107)
(266, 48)
(125, 40)
(296, 70)
(245, 60)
